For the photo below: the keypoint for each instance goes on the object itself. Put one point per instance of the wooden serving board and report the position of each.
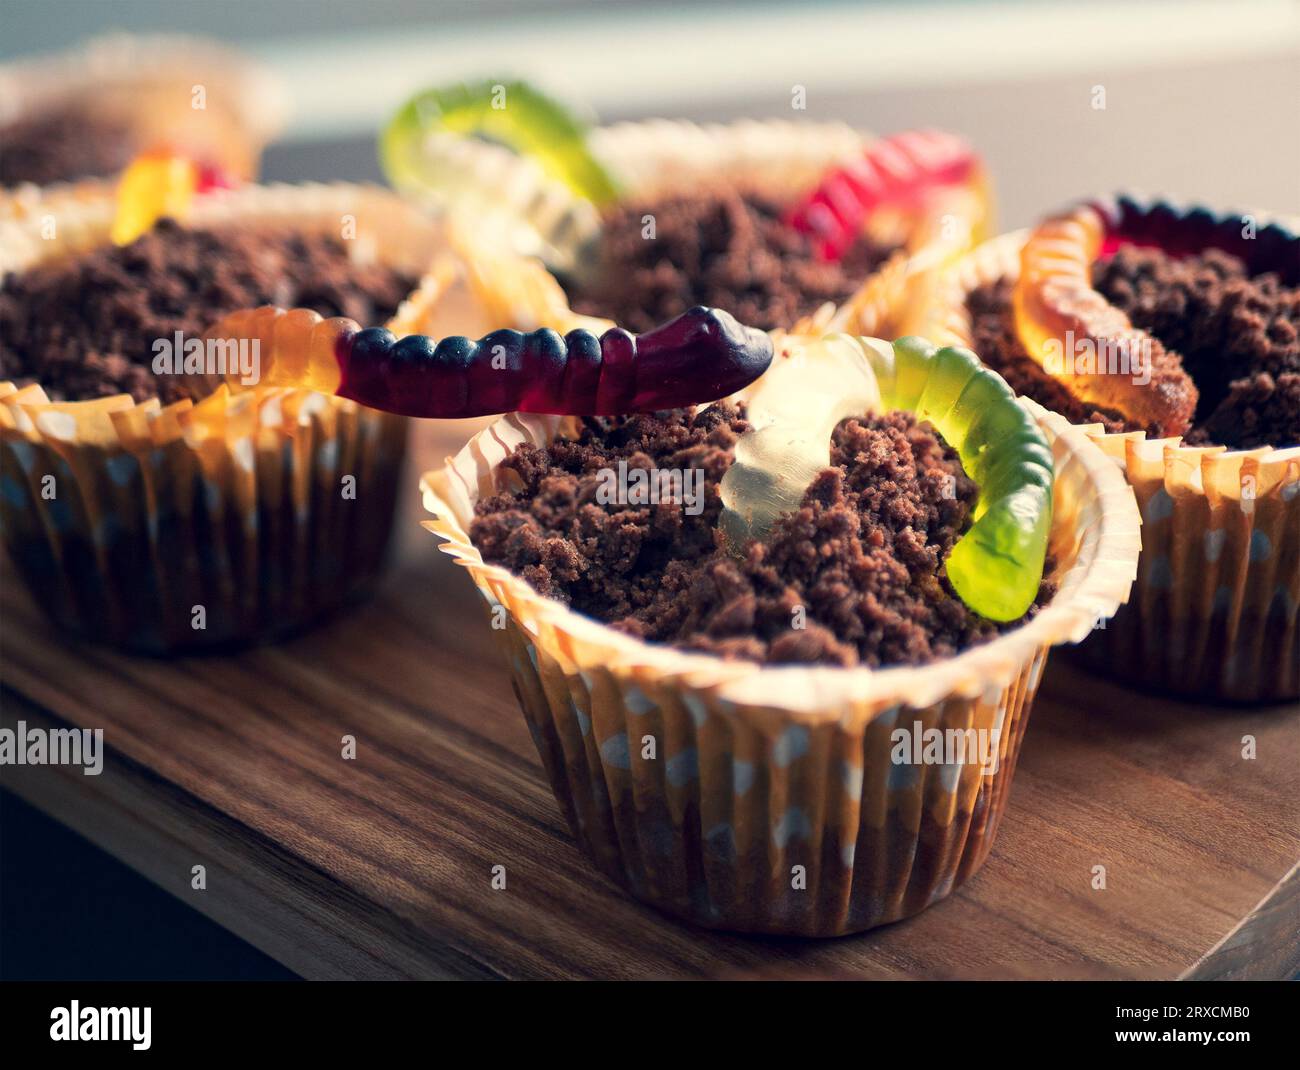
(381, 867)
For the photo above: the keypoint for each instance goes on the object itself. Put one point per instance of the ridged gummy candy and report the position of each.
(996, 567)
(702, 355)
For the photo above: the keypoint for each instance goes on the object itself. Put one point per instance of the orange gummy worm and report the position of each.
(1087, 343)
(295, 348)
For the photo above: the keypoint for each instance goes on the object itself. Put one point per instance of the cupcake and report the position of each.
(732, 685)
(160, 517)
(85, 113)
(780, 223)
(1194, 321)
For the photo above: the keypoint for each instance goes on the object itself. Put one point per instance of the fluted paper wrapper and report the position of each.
(166, 89)
(123, 518)
(778, 157)
(759, 770)
(46, 203)
(1215, 612)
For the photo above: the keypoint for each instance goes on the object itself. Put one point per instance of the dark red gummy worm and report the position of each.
(1270, 247)
(700, 356)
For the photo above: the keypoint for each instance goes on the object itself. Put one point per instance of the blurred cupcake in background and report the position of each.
(1173, 335)
(784, 224)
(158, 517)
(85, 113)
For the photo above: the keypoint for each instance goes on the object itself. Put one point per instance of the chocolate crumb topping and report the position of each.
(1239, 338)
(721, 247)
(854, 577)
(85, 328)
(63, 146)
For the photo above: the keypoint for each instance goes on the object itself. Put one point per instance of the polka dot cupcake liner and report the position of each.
(769, 798)
(1215, 611)
(166, 528)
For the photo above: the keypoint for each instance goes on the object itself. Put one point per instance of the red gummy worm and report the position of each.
(893, 170)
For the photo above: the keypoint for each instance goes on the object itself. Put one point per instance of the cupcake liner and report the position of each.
(1215, 612)
(29, 201)
(150, 82)
(124, 517)
(757, 770)
(780, 157)
(896, 300)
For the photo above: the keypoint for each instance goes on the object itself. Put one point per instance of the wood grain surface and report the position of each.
(381, 867)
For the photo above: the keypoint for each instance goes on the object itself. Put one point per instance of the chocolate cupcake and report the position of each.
(159, 516)
(718, 680)
(719, 245)
(84, 114)
(1196, 394)
(741, 215)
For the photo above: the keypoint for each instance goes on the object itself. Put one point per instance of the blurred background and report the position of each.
(1202, 99)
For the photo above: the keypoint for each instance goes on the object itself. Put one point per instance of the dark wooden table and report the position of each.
(381, 867)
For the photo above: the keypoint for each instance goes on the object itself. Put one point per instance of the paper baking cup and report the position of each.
(186, 92)
(125, 518)
(779, 157)
(29, 201)
(1215, 612)
(758, 771)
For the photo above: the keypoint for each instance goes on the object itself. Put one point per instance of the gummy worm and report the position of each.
(1264, 246)
(159, 183)
(511, 113)
(996, 567)
(896, 170)
(791, 415)
(702, 355)
(1079, 337)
